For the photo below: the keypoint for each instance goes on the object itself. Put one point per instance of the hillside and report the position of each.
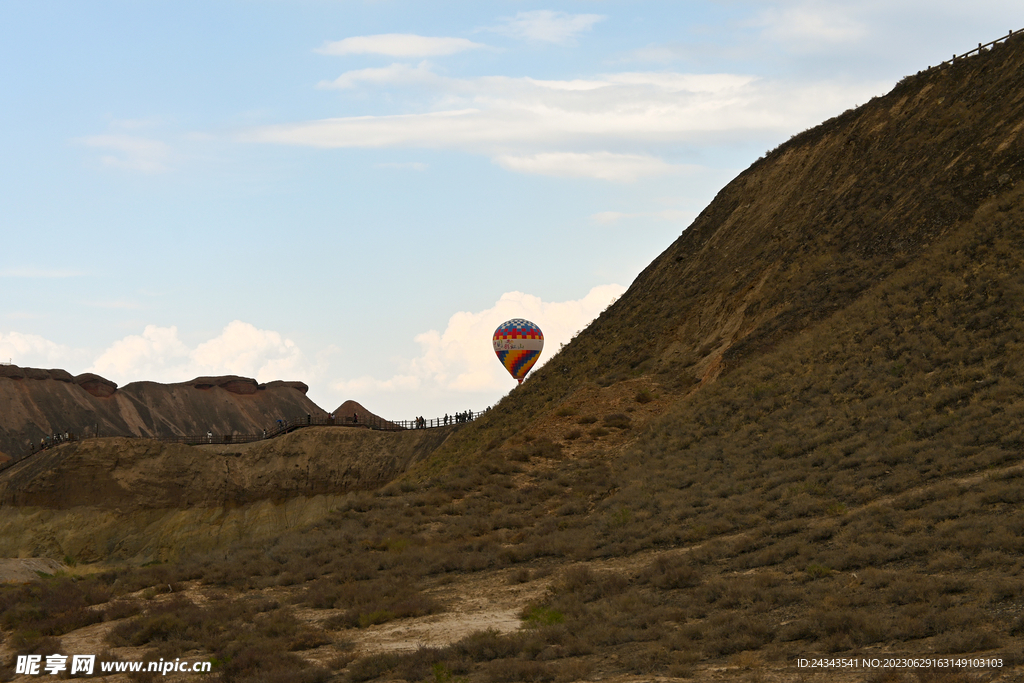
(39, 403)
(140, 500)
(807, 230)
(797, 435)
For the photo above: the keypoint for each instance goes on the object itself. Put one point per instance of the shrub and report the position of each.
(818, 571)
(514, 670)
(644, 396)
(668, 572)
(373, 666)
(546, 448)
(618, 421)
(539, 615)
(483, 646)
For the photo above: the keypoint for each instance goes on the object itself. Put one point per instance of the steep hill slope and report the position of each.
(805, 231)
(35, 404)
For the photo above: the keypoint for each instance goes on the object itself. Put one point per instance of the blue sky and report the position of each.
(355, 194)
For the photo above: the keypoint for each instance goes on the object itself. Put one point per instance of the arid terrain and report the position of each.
(38, 404)
(799, 435)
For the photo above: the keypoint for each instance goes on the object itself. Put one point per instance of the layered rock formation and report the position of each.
(36, 403)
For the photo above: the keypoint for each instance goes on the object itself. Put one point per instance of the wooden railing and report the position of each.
(285, 426)
(277, 429)
(981, 48)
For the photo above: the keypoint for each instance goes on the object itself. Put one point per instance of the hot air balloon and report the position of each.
(518, 344)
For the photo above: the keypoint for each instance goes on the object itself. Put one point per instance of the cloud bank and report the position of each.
(546, 26)
(398, 45)
(597, 127)
(453, 364)
(158, 354)
(460, 360)
(31, 350)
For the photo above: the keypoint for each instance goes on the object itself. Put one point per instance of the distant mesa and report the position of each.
(301, 387)
(38, 404)
(232, 383)
(15, 372)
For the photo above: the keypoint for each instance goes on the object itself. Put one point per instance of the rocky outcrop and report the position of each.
(15, 372)
(35, 404)
(230, 383)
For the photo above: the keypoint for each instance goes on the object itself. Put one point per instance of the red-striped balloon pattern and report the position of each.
(518, 344)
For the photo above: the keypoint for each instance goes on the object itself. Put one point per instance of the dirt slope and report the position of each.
(134, 498)
(132, 474)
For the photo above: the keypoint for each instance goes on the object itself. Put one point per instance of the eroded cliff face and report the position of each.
(141, 500)
(37, 403)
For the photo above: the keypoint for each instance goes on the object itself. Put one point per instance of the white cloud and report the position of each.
(154, 355)
(240, 349)
(547, 26)
(399, 45)
(37, 272)
(516, 120)
(610, 217)
(116, 304)
(33, 351)
(810, 26)
(460, 360)
(361, 386)
(396, 74)
(131, 152)
(659, 53)
(719, 84)
(403, 165)
(603, 165)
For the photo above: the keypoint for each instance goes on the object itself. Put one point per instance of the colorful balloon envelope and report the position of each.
(518, 344)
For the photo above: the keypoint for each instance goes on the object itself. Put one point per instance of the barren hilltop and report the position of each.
(796, 438)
